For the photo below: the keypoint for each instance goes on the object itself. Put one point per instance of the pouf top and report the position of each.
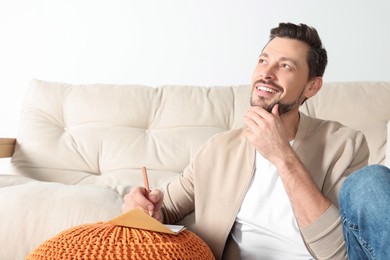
(107, 241)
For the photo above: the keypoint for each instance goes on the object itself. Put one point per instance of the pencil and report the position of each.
(146, 185)
(146, 181)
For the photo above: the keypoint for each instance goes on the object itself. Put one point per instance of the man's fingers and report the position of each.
(139, 197)
(275, 110)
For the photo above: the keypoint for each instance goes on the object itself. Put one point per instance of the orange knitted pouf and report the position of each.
(107, 241)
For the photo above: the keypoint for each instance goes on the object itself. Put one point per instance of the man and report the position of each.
(269, 190)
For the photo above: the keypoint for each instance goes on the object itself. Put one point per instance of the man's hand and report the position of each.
(267, 133)
(151, 203)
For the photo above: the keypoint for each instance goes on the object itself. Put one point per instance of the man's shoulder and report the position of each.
(318, 126)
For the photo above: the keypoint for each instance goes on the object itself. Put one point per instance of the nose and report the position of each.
(268, 73)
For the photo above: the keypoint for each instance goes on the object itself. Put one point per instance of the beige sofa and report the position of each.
(80, 147)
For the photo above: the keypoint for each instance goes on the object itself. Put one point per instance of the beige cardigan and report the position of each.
(216, 181)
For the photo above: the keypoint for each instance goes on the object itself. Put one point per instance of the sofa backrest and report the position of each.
(104, 134)
(364, 106)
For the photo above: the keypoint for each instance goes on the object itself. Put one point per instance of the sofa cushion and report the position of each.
(104, 134)
(34, 211)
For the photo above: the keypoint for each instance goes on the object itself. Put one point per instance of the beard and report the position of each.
(283, 107)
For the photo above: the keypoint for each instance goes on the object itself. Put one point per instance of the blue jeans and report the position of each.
(365, 213)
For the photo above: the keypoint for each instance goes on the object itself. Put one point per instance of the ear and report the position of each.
(313, 87)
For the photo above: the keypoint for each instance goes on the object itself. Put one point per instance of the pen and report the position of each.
(146, 185)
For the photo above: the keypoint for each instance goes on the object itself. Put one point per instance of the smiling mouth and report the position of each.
(267, 89)
(268, 94)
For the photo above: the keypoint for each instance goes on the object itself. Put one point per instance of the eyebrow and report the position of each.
(294, 62)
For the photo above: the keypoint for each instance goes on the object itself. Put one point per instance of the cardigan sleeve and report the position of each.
(324, 237)
(329, 243)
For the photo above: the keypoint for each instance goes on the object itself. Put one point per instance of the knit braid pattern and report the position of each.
(103, 240)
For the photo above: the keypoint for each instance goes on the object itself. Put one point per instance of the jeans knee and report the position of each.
(365, 177)
(371, 180)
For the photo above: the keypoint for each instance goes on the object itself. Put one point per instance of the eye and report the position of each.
(262, 61)
(286, 66)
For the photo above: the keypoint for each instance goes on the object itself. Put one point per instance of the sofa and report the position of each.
(80, 148)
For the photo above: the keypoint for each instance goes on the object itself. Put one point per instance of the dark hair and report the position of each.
(316, 57)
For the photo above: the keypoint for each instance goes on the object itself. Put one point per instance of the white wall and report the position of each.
(155, 42)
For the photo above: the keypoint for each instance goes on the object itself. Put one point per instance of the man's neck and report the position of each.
(291, 122)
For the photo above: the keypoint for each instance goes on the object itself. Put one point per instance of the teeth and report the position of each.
(270, 90)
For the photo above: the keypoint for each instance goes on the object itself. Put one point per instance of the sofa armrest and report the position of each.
(7, 146)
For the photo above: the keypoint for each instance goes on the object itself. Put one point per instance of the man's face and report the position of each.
(281, 75)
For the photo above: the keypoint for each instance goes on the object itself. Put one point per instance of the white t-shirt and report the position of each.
(265, 226)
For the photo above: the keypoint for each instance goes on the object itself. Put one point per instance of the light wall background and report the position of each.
(157, 42)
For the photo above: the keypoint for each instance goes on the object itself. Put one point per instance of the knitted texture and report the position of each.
(107, 241)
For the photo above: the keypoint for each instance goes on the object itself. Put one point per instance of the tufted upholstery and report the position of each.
(88, 143)
(103, 134)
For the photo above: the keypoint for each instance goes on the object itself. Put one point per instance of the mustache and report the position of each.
(271, 83)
